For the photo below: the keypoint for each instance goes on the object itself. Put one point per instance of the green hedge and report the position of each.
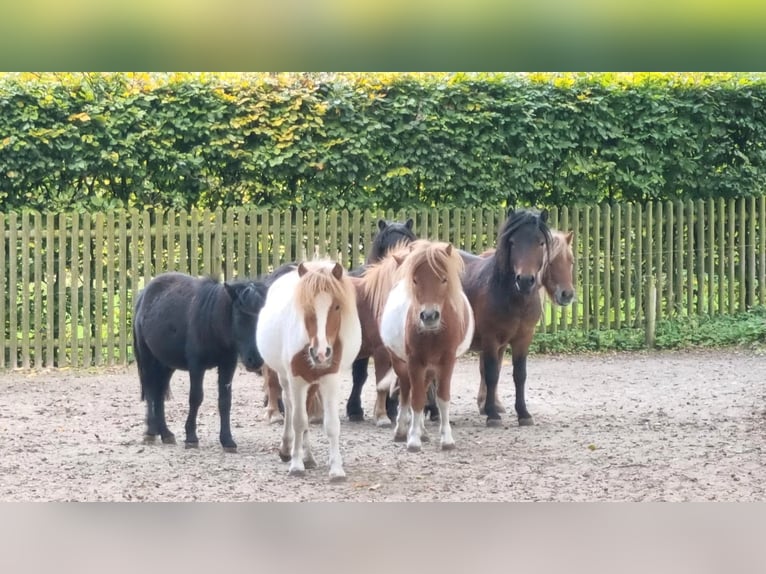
(391, 141)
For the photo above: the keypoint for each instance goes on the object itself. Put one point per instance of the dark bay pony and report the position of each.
(426, 323)
(504, 293)
(193, 324)
(557, 283)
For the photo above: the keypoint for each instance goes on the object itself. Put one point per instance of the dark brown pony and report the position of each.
(557, 281)
(504, 293)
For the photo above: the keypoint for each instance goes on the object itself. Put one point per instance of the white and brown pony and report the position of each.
(310, 333)
(426, 323)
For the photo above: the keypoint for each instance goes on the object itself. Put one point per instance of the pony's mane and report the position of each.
(319, 279)
(208, 297)
(434, 255)
(558, 245)
(379, 277)
(518, 219)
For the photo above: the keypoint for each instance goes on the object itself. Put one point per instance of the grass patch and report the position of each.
(748, 328)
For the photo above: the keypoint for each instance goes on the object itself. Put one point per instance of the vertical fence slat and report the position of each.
(762, 250)
(24, 284)
(649, 251)
(751, 216)
(207, 252)
(218, 243)
(679, 269)
(6, 293)
(229, 234)
(37, 252)
(587, 267)
(564, 226)
(721, 256)
(710, 254)
(124, 310)
(98, 282)
(87, 246)
(607, 265)
(62, 249)
(171, 244)
(194, 242)
(577, 268)
(730, 257)
(628, 289)
(617, 246)
(333, 217)
(345, 256)
(690, 246)
(670, 306)
(700, 256)
(741, 254)
(110, 277)
(50, 293)
(74, 278)
(638, 279)
(658, 256)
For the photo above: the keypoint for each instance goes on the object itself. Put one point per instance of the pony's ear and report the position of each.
(544, 215)
(302, 270)
(511, 210)
(231, 290)
(569, 237)
(398, 258)
(382, 224)
(448, 249)
(337, 271)
(409, 223)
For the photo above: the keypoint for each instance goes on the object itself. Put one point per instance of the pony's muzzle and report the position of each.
(430, 320)
(564, 296)
(321, 358)
(525, 283)
(252, 363)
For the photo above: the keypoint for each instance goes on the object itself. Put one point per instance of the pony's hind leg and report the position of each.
(330, 397)
(314, 405)
(354, 410)
(386, 380)
(196, 394)
(156, 423)
(273, 396)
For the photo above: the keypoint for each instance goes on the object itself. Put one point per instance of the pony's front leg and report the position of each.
(287, 428)
(386, 379)
(225, 376)
(300, 424)
(482, 396)
(418, 393)
(443, 388)
(489, 360)
(404, 413)
(330, 390)
(354, 409)
(520, 351)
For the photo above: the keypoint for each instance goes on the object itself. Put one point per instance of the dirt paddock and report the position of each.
(648, 426)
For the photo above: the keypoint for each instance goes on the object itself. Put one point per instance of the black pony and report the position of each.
(193, 324)
(390, 233)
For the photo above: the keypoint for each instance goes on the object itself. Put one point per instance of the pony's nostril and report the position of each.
(436, 315)
(328, 352)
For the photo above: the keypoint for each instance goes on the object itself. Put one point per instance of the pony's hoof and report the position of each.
(309, 463)
(526, 422)
(339, 477)
(188, 444)
(356, 418)
(169, 439)
(285, 457)
(448, 446)
(383, 423)
(297, 472)
(492, 422)
(231, 449)
(413, 448)
(400, 437)
(150, 439)
(316, 420)
(276, 419)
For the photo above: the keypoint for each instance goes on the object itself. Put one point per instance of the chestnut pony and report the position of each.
(426, 323)
(504, 293)
(309, 333)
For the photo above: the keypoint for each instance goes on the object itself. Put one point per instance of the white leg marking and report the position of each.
(330, 397)
(445, 429)
(300, 422)
(416, 430)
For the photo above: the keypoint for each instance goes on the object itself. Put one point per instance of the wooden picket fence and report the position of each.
(69, 279)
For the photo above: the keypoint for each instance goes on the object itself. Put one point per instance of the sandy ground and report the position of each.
(649, 426)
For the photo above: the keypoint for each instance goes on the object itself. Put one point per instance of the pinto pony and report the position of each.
(308, 333)
(193, 324)
(426, 323)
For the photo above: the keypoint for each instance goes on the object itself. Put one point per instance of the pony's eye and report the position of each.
(414, 282)
(444, 280)
(542, 243)
(337, 307)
